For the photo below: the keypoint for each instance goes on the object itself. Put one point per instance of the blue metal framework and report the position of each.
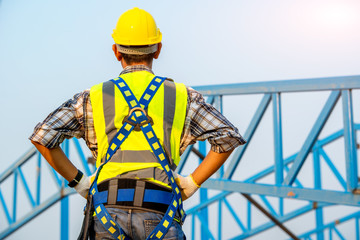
(38, 204)
(226, 198)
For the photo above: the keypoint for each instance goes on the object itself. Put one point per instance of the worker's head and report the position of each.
(137, 38)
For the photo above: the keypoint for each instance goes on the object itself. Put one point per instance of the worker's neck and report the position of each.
(124, 64)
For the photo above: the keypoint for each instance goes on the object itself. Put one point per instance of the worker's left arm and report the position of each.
(211, 163)
(204, 122)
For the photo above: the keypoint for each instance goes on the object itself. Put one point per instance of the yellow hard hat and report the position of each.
(136, 27)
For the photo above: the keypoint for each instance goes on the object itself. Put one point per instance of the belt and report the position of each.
(133, 193)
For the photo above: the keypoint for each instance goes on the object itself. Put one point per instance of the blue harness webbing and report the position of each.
(127, 195)
(138, 117)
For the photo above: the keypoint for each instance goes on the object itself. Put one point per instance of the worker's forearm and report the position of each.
(209, 166)
(58, 160)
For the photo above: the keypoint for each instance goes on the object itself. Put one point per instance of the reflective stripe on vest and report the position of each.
(109, 109)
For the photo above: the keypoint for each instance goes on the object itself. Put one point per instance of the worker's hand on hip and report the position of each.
(187, 185)
(83, 186)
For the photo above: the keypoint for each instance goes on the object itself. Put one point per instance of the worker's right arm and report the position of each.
(67, 121)
(59, 161)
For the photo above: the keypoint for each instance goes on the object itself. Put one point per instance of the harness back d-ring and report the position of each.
(132, 121)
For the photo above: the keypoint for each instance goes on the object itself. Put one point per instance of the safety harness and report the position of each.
(138, 120)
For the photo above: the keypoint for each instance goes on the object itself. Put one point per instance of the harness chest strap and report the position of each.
(138, 118)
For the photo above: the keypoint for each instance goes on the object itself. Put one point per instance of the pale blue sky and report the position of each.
(50, 50)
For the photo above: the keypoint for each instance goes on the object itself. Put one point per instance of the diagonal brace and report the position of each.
(248, 135)
(312, 137)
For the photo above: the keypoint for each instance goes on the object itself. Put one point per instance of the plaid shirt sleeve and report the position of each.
(203, 122)
(72, 119)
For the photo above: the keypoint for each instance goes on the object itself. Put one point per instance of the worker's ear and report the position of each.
(117, 54)
(157, 53)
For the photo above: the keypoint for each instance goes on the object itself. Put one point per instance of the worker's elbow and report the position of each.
(36, 144)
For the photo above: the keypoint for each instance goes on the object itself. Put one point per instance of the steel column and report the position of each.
(350, 142)
(278, 150)
(317, 185)
(38, 180)
(278, 145)
(64, 203)
(15, 196)
(203, 214)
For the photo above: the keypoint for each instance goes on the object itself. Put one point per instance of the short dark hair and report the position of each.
(131, 58)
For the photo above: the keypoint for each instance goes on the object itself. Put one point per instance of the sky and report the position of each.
(50, 50)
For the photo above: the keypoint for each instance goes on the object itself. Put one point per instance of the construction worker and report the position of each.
(136, 125)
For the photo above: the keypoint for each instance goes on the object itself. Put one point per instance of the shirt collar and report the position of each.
(136, 68)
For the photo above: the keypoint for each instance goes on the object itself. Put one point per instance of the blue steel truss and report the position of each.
(286, 186)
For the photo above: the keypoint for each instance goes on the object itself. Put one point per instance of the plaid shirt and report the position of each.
(74, 118)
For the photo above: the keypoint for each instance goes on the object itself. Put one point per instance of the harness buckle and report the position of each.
(137, 126)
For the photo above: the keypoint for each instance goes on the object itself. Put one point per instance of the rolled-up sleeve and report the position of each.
(65, 122)
(204, 122)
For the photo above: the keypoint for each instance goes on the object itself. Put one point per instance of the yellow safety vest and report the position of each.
(134, 159)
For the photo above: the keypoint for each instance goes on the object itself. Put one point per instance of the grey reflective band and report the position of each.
(126, 156)
(169, 112)
(132, 50)
(109, 115)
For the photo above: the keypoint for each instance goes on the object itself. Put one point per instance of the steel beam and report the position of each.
(300, 85)
(327, 196)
